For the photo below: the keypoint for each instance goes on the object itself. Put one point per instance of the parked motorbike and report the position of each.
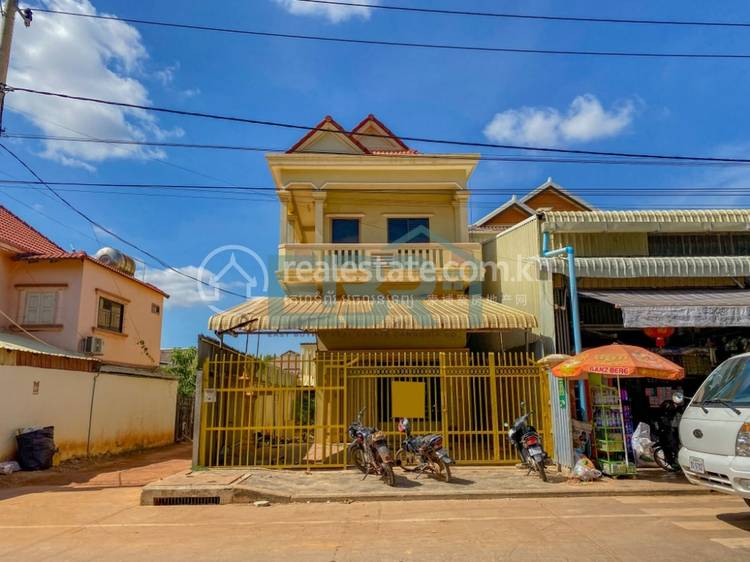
(528, 444)
(369, 451)
(667, 432)
(428, 450)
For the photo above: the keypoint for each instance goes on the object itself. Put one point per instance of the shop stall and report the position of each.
(612, 413)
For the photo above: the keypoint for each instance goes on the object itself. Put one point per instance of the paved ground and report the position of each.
(94, 514)
(108, 524)
(132, 469)
(340, 485)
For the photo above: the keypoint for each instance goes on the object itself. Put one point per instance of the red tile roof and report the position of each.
(24, 238)
(320, 127)
(351, 136)
(372, 119)
(30, 245)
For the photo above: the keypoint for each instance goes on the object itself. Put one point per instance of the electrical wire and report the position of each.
(612, 191)
(484, 157)
(404, 44)
(295, 126)
(579, 19)
(113, 234)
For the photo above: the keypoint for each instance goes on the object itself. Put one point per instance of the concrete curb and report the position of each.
(242, 493)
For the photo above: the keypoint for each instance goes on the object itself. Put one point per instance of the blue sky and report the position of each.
(638, 105)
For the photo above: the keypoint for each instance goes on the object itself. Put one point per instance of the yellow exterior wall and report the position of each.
(5, 269)
(375, 209)
(77, 308)
(128, 412)
(391, 340)
(517, 281)
(140, 324)
(65, 272)
(603, 244)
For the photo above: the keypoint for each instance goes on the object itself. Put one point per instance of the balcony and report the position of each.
(449, 266)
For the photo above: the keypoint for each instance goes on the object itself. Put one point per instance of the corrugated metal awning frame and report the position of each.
(280, 314)
(612, 267)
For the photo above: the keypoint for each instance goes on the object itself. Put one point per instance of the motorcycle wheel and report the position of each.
(660, 458)
(541, 471)
(388, 475)
(357, 458)
(406, 460)
(444, 471)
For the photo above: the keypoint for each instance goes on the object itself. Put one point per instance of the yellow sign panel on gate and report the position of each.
(407, 399)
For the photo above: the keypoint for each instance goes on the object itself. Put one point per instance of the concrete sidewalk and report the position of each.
(294, 486)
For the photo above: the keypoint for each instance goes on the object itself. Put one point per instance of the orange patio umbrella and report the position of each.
(617, 360)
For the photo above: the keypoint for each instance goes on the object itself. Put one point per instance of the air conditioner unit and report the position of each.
(93, 345)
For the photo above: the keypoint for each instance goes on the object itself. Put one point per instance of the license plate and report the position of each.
(535, 450)
(697, 465)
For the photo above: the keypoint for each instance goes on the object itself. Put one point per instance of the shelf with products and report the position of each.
(613, 427)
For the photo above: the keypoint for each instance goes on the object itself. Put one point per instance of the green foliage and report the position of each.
(183, 366)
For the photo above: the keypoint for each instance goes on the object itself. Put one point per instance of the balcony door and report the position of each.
(409, 230)
(345, 231)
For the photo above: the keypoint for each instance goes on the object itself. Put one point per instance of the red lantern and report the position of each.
(659, 334)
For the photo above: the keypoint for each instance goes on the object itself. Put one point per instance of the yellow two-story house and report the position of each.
(374, 249)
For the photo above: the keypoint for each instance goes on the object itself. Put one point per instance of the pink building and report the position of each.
(75, 302)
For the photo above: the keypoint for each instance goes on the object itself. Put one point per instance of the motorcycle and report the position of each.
(428, 449)
(369, 451)
(667, 435)
(528, 444)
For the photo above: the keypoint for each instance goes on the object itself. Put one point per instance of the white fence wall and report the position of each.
(127, 412)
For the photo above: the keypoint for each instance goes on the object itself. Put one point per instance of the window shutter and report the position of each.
(47, 308)
(31, 314)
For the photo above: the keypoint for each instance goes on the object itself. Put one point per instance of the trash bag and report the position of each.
(643, 447)
(9, 467)
(36, 447)
(585, 471)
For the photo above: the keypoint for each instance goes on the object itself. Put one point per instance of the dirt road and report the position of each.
(108, 524)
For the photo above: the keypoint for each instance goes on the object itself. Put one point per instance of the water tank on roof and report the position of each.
(117, 259)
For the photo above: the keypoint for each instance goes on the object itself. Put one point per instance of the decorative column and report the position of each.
(284, 198)
(319, 198)
(461, 217)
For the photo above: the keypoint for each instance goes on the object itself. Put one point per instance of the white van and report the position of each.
(715, 430)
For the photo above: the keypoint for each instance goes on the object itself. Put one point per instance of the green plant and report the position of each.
(183, 365)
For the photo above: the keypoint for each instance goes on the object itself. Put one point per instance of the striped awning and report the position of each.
(713, 220)
(281, 314)
(679, 308)
(727, 266)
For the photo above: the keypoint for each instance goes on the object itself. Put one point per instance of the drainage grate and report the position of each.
(194, 500)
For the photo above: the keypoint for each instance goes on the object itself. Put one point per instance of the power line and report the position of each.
(485, 157)
(295, 126)
(404, 44)
(265, 193)
(531, 16)
(113, 234)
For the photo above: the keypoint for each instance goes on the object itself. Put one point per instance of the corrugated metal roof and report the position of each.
(313, 315)
(721, 220)
(730, 266)
(693, 297)
(17, 342)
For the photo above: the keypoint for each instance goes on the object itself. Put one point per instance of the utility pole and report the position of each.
(10, 10)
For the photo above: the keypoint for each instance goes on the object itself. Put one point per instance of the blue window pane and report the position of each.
(409, 231)
(345, 231)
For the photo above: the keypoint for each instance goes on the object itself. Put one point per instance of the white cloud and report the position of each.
(331, 12)
(185, 292)
(93, 58)
(585, 120)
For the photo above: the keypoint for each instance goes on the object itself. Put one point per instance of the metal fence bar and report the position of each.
(259, 412)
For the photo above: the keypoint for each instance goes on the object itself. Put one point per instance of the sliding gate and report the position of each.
(265, 412)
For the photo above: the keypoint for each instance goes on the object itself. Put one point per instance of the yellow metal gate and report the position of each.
(264, 412)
